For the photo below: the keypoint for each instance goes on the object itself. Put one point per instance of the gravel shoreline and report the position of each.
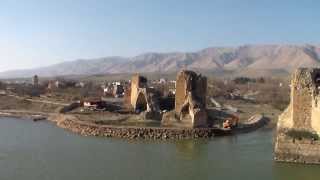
(131, 132)
(83, 128)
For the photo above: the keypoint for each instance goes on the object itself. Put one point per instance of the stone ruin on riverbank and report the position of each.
(190, 101)
(299, 125)
(143, 98)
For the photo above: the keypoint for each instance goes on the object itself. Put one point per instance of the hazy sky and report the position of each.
(42, 32)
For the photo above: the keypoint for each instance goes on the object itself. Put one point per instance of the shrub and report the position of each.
(302, 134)
(243, 80)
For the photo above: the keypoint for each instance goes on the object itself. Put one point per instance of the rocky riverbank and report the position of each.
(40, 110)
(71, 123)
(129, 132)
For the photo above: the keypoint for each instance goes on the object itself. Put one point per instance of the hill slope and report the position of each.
(250, 58)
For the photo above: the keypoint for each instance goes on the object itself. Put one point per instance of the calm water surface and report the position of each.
(41, 151)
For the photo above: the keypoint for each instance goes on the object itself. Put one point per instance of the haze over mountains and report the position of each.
(242, 59)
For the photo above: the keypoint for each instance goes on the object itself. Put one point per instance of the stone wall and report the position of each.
(301, 99)
(299, 151)
(73, 124)
(153, 133)
(315, 114)
(181, 91)
(302, 115)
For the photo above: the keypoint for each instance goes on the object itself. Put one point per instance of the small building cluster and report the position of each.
(114, 89)
(93, 103)
(181, 102)
(63, 83)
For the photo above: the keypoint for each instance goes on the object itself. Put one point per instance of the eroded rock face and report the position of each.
(301, 118)
(190, 101)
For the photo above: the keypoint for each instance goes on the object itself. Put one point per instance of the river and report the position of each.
(42, 151)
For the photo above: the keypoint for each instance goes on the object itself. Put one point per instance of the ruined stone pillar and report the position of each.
(190, 100)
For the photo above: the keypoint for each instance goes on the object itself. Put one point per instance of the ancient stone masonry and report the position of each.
(152, 133)
(190, 100)
(302, 115)
(142, 97)
(303, 112)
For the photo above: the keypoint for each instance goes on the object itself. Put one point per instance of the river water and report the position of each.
(42, 151)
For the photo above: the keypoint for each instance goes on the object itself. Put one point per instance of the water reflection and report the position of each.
(42, 151)
(290, 171)
(190, 149)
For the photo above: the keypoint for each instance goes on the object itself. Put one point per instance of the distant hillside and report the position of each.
(249, 59)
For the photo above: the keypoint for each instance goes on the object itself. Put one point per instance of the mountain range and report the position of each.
(248, 58)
